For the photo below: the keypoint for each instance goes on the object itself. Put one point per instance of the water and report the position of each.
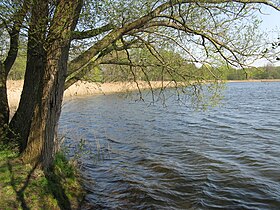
(157, 157)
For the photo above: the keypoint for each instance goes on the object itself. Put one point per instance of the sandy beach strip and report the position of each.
(82, 88)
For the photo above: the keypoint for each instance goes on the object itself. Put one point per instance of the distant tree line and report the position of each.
(154, 71)
(266, 72)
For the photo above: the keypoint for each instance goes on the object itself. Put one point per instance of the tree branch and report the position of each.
(216, 43)
(93, 52)
(91, 33)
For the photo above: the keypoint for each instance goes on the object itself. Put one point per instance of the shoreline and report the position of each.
(83, 88)
(253, 80)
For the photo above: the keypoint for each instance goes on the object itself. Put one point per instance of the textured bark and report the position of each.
(41, 138)
(36, 62)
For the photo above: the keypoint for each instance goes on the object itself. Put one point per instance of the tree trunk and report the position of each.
(6, 66)
(36, 62)
(21, 121)
(4, 106)
(41, 138)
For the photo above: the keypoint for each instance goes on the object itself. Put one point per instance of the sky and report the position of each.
(271, 19)
(270, 25)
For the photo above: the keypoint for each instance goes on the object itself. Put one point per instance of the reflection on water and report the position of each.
(155, 157)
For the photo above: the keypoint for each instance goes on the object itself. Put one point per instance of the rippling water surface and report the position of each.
(156, 157)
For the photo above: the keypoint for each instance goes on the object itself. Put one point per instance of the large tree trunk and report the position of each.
(36, 62)
(41, 138)
(41, 145)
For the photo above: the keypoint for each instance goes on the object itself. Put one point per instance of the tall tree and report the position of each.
(39, 146)
(36, 63)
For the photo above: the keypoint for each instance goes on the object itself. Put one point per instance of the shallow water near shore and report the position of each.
(157, 157)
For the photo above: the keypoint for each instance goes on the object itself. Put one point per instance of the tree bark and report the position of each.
(36, 62)
(41, 143)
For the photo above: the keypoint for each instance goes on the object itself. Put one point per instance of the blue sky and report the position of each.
(271, 20)
(270, 25)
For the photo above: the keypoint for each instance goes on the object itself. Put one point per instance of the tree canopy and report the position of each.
(202, 32)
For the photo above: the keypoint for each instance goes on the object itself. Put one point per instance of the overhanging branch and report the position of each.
(115, 34)
(91, 33)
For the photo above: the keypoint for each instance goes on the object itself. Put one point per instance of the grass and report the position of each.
(24, 187)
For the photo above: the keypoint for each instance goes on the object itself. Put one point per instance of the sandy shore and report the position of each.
(84, 89)
(14, 92)
(87, 88)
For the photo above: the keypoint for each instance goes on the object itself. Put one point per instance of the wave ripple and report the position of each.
(152, 157)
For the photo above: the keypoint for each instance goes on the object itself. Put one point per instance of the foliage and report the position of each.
(199, 33)
(62, 166)
(266, 72)
(18, 69)
(94, 74)
(178, 69)
(181, 69)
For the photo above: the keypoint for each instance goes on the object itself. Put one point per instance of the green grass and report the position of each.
(23, 187)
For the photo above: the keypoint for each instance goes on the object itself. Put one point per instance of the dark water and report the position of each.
(156, 157)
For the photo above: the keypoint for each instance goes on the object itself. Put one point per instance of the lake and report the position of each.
(139, 156)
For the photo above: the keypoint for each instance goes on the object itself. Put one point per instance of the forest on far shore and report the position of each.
(112, 73)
